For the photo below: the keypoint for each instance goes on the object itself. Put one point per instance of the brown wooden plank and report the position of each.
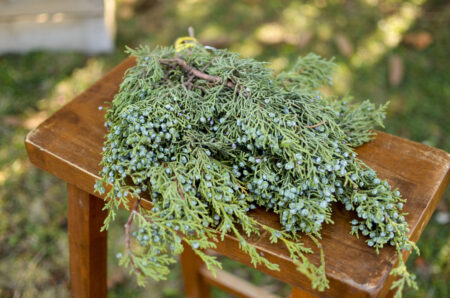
(68, 145)
(234, 285)
(87, 244)
(300, 293)
(194, 284)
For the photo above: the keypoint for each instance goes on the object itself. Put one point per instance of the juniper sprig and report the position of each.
(209, 135)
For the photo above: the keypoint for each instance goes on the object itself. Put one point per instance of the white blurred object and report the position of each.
(443, 217)
(80, 25)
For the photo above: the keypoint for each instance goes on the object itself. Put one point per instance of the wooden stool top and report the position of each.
(69, 144)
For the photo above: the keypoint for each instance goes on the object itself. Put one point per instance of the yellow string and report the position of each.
(185, 43)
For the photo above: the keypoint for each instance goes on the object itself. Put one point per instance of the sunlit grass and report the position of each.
(387, 35)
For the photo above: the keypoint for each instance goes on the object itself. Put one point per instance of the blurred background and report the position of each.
(384, 49)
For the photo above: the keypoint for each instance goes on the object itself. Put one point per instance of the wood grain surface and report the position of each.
(87, 245)
(69, 143)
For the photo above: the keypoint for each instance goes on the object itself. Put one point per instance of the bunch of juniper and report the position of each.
(208, 136)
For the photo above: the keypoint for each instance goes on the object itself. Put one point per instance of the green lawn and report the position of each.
(365, 37)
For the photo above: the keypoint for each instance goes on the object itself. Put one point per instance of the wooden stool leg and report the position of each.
(194, 285)
(299, 293)
(87, 245)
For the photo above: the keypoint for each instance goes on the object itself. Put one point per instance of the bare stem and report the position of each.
(315, 125)
(127, 235)
(190, 70)
(191, 31)
(180, 191)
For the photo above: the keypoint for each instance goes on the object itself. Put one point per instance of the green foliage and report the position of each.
(209, 136)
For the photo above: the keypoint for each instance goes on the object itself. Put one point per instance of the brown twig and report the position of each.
(197, 73)
(180, 191)
(191, 31)
(207, 65)
(166, 78)
(127, 235)
(190, 85)
(315, 125)
(192, 70)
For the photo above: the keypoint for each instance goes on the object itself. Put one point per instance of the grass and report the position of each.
(363, 36)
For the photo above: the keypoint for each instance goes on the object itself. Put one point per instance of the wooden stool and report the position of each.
(69, 143)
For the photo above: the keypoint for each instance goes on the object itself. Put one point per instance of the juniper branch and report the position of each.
(207, 158)
(127, 236)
